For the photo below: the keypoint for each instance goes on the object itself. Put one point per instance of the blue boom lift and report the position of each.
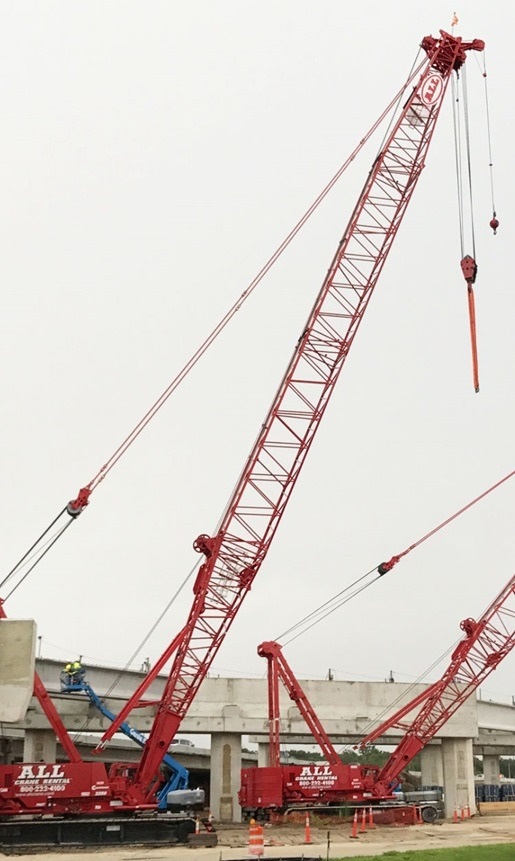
(175, 792)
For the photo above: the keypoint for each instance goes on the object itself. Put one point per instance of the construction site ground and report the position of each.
(288, 841)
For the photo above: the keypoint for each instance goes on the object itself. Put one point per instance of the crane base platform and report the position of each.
(101, 831)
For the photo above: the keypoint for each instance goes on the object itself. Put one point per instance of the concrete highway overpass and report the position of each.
(227, 709)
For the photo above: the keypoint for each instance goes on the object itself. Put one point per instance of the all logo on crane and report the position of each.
(432, 89)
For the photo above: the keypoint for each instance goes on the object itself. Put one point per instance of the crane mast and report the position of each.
(485, 644)
(279, 669)
(234, 555)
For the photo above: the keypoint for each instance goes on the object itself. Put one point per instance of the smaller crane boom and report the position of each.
(279, 669)
(485, 644)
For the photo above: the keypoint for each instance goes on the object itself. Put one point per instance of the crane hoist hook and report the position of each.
(469, 269)
(494, 224)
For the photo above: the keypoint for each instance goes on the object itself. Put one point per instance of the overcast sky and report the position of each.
(154, 155)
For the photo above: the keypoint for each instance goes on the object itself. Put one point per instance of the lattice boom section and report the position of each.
(275, 463)
(473, 661)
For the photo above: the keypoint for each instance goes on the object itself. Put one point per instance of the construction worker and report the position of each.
(74, 672)
(78, 672)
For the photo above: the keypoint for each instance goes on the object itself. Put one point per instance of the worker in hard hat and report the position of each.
(74, 672)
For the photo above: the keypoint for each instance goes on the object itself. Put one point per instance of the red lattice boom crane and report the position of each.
(234, 555)
(486, 643)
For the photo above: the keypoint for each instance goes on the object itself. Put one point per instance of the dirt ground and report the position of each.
(288, 841)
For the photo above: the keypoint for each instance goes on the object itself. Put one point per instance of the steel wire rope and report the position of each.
(137, 651)
(489, 138)
(466, 119)
(402, 696)
(26, 556)
(247, 292)
(385, 567)
(48, 546)
(329, 611)
(85, 492)
(457, 160)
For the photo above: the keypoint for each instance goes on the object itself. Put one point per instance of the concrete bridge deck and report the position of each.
(227, 709)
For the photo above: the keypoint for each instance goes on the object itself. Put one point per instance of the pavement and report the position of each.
(288, 842)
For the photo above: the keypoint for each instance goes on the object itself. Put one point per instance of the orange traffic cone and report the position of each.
(468, 811)
(455, 815)
(463, 813)
(371, 823)
(307, 830)
(197, 825)
(363, 820)
(256, 841)
(354, 832)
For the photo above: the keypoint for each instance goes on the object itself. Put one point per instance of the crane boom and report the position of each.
(234, 555)
(485, 645)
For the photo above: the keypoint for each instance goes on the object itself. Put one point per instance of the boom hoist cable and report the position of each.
(357, 586)
(76, 506)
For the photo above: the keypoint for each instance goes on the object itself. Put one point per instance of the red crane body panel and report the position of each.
(279, 787)
(60, 788)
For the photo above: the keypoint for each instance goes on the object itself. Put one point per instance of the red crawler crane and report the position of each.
(235, 554)
(486, 643)
(278, 787)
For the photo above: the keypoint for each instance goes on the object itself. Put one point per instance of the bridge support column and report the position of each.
(263, 754)
(458, 774)
(225, 776)
(491, 769)
(431, 763)
(39, 745)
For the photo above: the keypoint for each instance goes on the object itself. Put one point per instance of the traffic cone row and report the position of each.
(461, 813)
(365, 819)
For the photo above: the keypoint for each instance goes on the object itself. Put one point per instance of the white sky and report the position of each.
(154, 155)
